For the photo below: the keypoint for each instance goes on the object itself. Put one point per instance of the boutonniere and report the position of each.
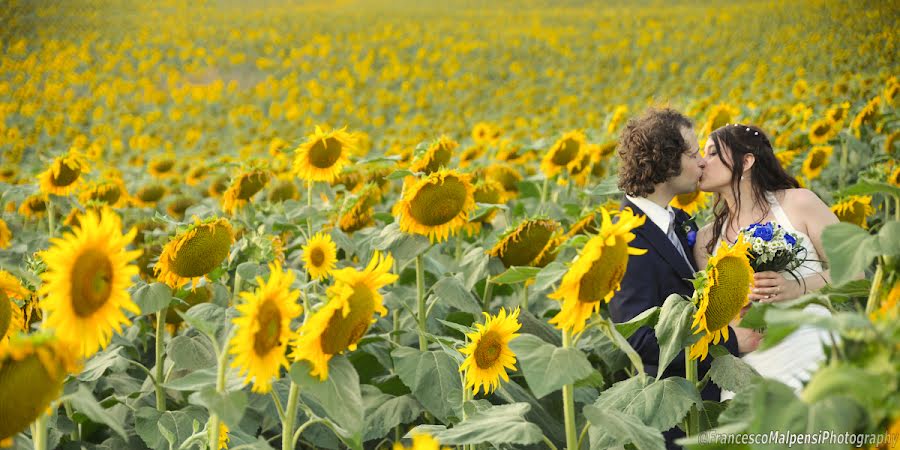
(689, 230)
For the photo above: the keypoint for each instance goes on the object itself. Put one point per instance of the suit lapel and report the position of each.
(680, 217)
(661, 243)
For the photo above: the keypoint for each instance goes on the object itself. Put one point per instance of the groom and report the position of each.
(659, 159)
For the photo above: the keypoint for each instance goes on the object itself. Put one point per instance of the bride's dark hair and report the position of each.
(766, 175)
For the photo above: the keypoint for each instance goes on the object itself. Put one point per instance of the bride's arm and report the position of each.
(817, 216)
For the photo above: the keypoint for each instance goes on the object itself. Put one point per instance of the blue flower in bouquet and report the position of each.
(763, 232)
(790, 239)
(691, 237)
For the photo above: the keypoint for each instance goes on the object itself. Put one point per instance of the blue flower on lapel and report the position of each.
(688, 230)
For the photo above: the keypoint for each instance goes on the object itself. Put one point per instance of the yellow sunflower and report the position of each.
(854, 209)
(724, 291)
(865, 115)
(890, 305)
(434, 156)
(243, 188)
(150, 194)
(32, 371)
(597, 273)
(691, 203)
(618, 118)
(487, 191)
(86, 282)
(437, 205)
(359, 212)
(111, 192)
(264, 328)
(821, 131)
(319, 255)
(837, 114)
(891, 142)
(565, 154)
(507, 175)
(12, 320)
(224, 439)
(816, 161)
(34, 206)
(177, 207)
(488, 354)
(195, 252)
(196, 174)
(284, 189)
(524, 244)
(484, 133)
(8, 173)
(162, 167)
(345, 318)
(63, 175)
(324, 155)
(5, 235)
(218, 186)
(786, 157)
(421, 441)
(719, 116)
(894, 179)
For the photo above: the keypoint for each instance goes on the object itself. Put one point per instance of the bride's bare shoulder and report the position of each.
(801, 199)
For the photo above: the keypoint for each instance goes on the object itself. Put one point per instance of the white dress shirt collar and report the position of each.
(657, 214)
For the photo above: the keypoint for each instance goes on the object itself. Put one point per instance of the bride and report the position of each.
(752, 187)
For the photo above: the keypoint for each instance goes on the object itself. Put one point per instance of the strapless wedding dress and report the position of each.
(794, 359)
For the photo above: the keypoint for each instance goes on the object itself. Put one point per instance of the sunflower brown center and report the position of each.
(568, 150)
(438, 203)
(344, 331)
(28, 388)
(202, 252)
(324, 153)
(163, 166)
(250, 184)
(37, 205)
(107, 194)
(317, 256)
(92, 276)
(269, 333)
(686, 199)
(525, 244)
(151, 193)
(821, 130)
(488, 350)
(487, 193)
(818, 159)
(729, 294)
(66, 175)
(605, 273)
(440, 157)
(856, 213)
(721, 119)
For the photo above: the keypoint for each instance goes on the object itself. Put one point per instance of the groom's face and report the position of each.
(691, 165)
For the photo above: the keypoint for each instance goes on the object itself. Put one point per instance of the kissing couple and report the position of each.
(659, 159)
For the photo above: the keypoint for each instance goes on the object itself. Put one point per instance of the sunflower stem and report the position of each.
(843, 162)
(420, 301)
(158, 379)
(39, 432)
(569, 403)
(488, 292)
(875, 291)
(50, 217)
(287, 427)
(75, 436)
(544, 191)
(220, 389)
(309, 189)
(897, 207)
(693, 419)
(548, 442)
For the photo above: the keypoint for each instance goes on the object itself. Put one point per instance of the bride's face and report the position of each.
(716, 175)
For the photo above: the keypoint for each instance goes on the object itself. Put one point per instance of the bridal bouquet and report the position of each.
(772, 247)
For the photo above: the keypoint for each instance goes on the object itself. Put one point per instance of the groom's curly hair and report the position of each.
(650, 149)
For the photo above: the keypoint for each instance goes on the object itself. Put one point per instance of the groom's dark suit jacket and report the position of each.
(649, 279)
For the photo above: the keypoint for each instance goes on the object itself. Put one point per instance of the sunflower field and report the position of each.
(395, 224)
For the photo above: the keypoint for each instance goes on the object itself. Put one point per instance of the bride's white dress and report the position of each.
(795, 358)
